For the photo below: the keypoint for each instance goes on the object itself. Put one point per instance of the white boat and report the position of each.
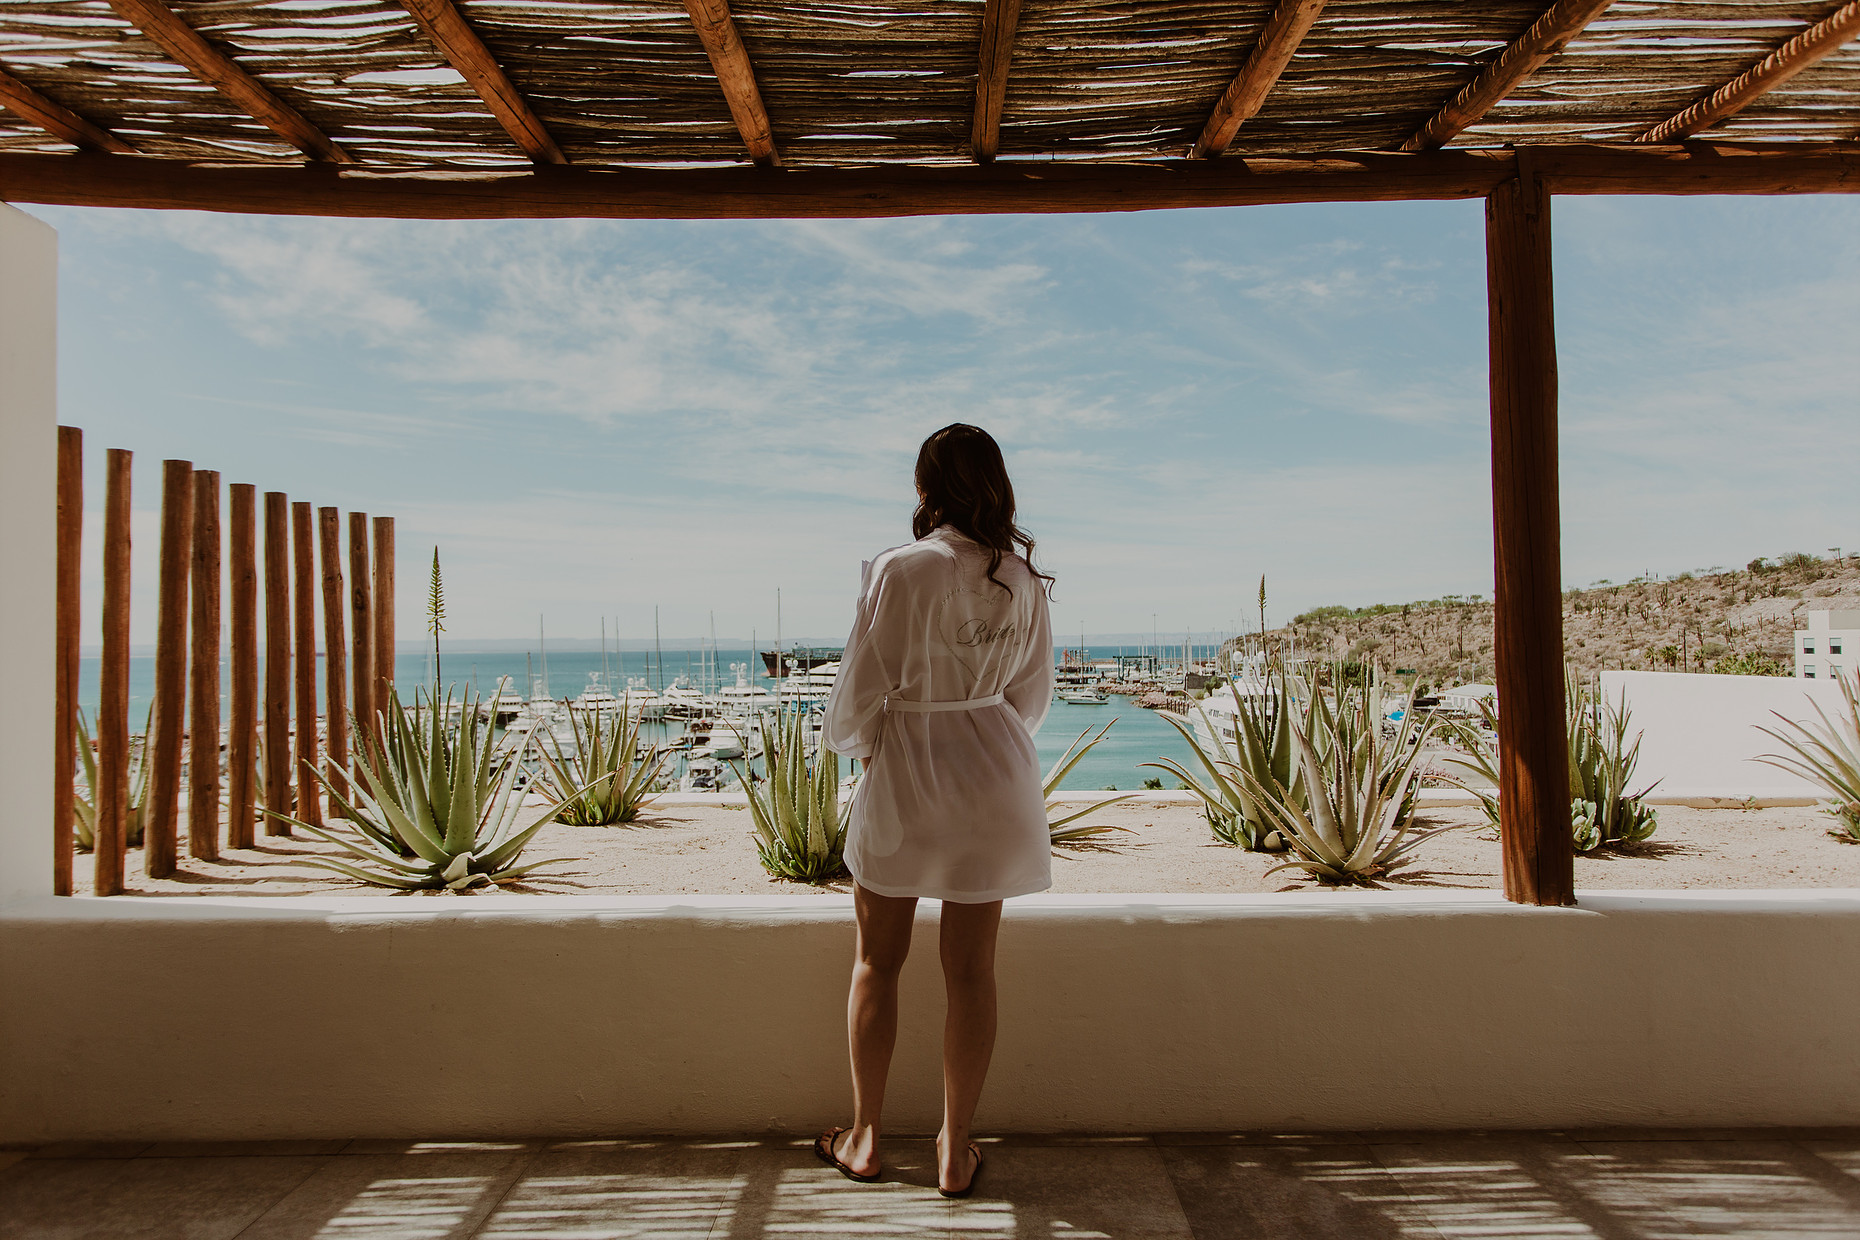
(506, 704)
(811, 686)
(598, 697)
(1083, 697)
(743, 698)
(703, 774)
(640, 702)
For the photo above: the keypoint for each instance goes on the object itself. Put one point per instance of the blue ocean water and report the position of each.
(1137, 736)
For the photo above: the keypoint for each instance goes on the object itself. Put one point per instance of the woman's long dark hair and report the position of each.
(965, 485)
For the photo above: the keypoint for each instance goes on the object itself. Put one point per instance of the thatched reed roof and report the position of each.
(840, 84)
(860, 82)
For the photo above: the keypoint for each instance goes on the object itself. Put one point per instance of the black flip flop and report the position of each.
(974, 1175)
(823, 1149)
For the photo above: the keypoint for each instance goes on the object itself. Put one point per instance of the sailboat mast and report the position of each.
(657, 649)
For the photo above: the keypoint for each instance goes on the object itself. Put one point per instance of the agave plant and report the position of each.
(1356, 823)
(799, 822)
(602, 779)
(1060, 828)
(84, 801)
(433, 806)
(1260, 756)
(1828, 755)
(1601, 764)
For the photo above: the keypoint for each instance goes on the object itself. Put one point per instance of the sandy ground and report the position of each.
(1162, 848)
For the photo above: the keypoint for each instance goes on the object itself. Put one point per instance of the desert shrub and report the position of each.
(1360, 778)
(1601, 765)
(800, 825)
(1059, 823)
(84, 801)
(433, 807)
(1829, 755)
(602, 778)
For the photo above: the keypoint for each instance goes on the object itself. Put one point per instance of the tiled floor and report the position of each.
(1609, 1185)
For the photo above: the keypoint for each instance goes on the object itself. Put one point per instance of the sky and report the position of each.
(591, 419)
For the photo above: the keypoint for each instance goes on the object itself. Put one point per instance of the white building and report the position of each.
(1829, 646)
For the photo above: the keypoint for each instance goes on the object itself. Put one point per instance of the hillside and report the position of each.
(1719, 620)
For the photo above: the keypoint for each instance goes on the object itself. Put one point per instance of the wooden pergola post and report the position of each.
(277, 660)
(384, 611)
(242, 732)
(69, 617)
(362, 634)
(1533, 768)
(161, 832)
(203, 706)
(335, 650)
(111, 796)
(309, 742)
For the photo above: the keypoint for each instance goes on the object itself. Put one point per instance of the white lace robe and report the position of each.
(950, 804)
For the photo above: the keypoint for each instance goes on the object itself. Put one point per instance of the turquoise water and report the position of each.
(1137, 736)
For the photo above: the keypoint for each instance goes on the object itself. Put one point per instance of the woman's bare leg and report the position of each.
(872, 1017)
(966, 939)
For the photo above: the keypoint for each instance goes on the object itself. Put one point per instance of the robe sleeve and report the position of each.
(868, 671)
(1030, 690)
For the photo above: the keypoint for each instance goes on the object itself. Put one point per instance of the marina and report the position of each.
(701, 716)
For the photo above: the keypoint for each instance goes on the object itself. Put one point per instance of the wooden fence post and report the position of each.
(203, 707)
(242, 729)
(161, 830)
(111, 795)
(309, 744)
(384, 610)
(1533, 784)
(68, 620)
(335, 646)
(362, 630)
(277, 661)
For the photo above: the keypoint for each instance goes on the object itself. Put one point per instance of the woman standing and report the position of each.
(947, 675)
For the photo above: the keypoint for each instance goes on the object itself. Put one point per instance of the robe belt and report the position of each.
(927, 708)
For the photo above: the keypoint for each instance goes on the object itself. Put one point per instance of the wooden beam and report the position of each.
(1000, 19)
(1533, 755)
(68, 618)
(111, 796)
(1522, 57)
(203, 701)
(466, 52)
(736, 75)
(191, 50)
(242, 729)
(161, 832)
(1290, 22)
(855, 193)
(1766, 75)
(58, 120)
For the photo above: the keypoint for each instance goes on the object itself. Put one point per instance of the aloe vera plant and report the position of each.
(1602, 759)
(84, 802)
(1828, 755)
(433, 807)
(602, 779)
(1262, 755)
(1357, 823)
(799, 823)
(1060, 829)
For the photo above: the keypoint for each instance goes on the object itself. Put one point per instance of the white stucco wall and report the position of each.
(510, 1015)
(28, 547)
(1699, 732)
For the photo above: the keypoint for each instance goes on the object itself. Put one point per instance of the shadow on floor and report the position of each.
(1607, 1185)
